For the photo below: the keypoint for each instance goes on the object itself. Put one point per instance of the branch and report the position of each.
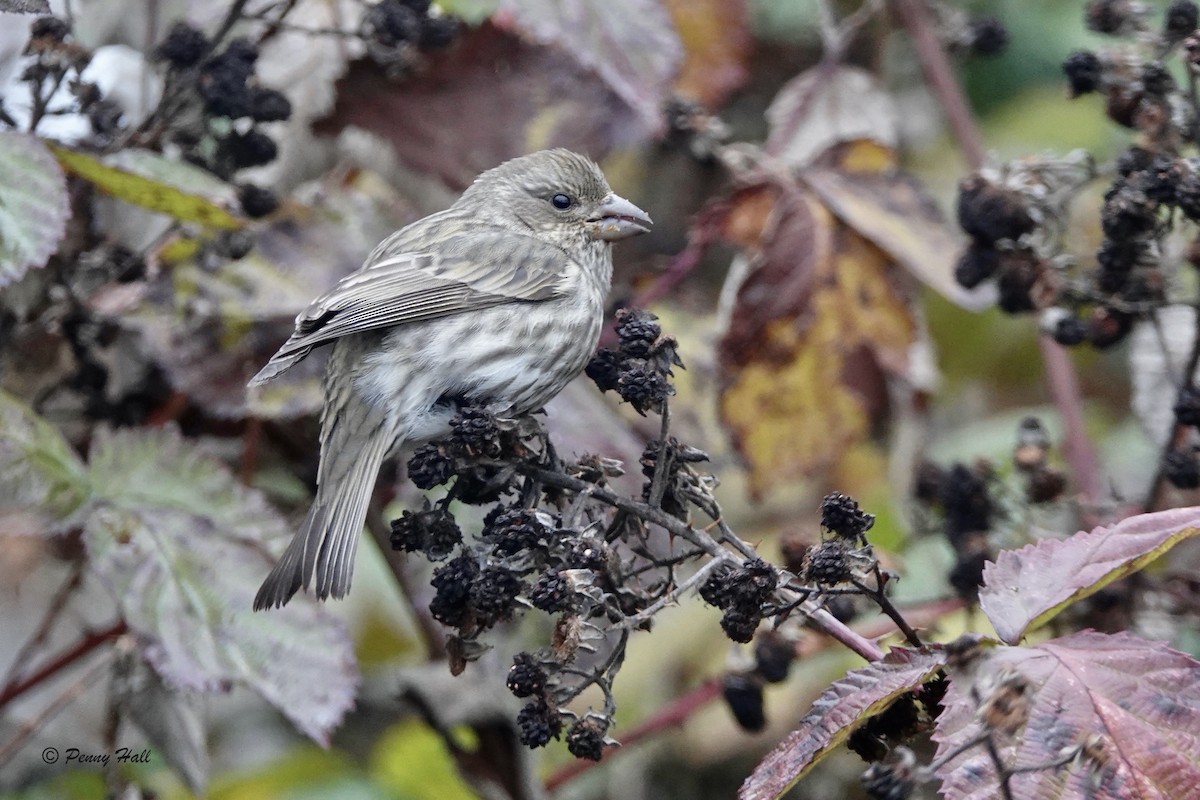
(71, 655)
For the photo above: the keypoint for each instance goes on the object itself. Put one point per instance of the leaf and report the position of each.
(818, 321)
(1025, 588)
(846, 704)
(716, 43)
(171, 720)
(532, 98)
(827, 105)
(33, 205)
(39, 472)
(894, 211)
(25, 6)
(152, 181)
(1139, 699)
(180, 545)
(212, 330)
(630, 44)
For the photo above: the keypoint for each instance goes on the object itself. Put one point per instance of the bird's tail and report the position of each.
(321, 555)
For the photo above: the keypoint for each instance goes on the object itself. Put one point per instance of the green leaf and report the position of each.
(40, 475)
(1025, 588)
(152, 181)
(182, 548)
(33, 205)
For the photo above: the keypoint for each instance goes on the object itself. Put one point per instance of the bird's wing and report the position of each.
(467, 272)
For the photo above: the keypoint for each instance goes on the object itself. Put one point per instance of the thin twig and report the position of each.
(71, 655)
(57, 604)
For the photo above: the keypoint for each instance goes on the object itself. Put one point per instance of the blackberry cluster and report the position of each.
(475, 433)
(433, 532)
(396, 30)
(997, 218)
(741, 593)
(640, 368)
(963, 495)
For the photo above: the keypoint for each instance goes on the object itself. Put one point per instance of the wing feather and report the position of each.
(468, 273)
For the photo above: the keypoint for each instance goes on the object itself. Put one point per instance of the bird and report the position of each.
(495, 302)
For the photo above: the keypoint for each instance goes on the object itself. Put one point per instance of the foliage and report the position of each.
(156, 244)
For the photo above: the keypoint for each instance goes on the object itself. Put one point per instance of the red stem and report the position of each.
(1060, 371)
(669, 716)
(72, 654)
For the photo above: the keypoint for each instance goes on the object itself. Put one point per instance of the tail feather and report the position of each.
(322, 553)
(281, 362)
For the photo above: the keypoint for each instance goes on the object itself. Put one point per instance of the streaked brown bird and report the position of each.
(497, 302)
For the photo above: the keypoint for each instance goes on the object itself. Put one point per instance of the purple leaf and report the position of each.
(1137, 700)
(847, 703)
(1024, 588)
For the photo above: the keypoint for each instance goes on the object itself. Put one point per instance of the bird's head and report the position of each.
(558, 195)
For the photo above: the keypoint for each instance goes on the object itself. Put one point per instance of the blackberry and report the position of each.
(968, 506)
(773, 657)
(250, 149)
(1017, 281)
(492, 594)
(183, 46)
(637, 331)
(1187, 194)
(841, 515)
(392, 23)
(1127, 213)
(753, 583)
(740, 622)
(537, 724)
(1181, 19)
(605, 369)
(989, 212)
(223, 85)
(1135, 159)
(988, 35)
(429, 467)
(512, 530)
(744, 697)
(454, 582)
(257, 201)
(585, 739)
(977, 263)
(476, 430)
(828, 563)
(966, 575)
(642, 387)
(526, 677)
(432, 531)
(1083, 71)
(269, 105)
(928, 485)
(586, 554)
(552, 593)
(1070, 331)
(1187, 406)
(716, 589)
(1181, 467)
(439, 31)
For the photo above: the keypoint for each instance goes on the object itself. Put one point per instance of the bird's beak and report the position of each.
(617, 218)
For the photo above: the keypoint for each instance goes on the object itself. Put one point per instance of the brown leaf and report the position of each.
(716, 43)
(489, 98)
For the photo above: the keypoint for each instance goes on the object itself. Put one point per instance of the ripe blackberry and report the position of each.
(526, 677)
(740, 622)
(269, 105)
(978, 262)
(1187, 406)
(454, 582)
(429, 467)
(1083, 71)
(250, 149)
(492, 594)
(552, 593)
(989, 212)
(439, 31)
(1182, 468)
(717, 590)
(967, 574)
(968, 506)
(605, 369)
(537, 724)
(753, 583)
(773, 657)
(433, 532)
(183, 46)
(828, 563)
(1070, 331)
(643, 387)
(744, 697)
(840, 514)
(512, 530)
(585, 739)
(1108, 16)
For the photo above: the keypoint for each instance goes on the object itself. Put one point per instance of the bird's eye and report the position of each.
(561, 201)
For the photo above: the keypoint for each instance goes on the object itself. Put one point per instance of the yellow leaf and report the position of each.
(155, 192)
